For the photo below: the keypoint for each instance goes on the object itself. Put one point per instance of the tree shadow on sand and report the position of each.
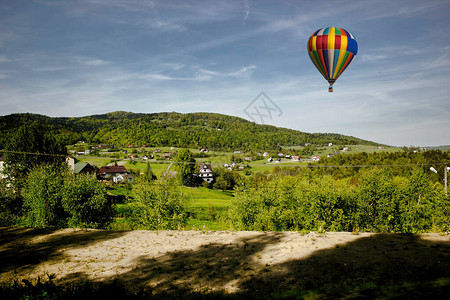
(23, 248)
(382, 265)
(376, 266)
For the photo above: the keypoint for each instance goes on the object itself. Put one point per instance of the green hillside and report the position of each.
(211, 130)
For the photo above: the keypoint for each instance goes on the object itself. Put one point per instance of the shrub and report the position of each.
(55, 198)
(159, 205)
(85, 201)
(10, 205)
(42, 196)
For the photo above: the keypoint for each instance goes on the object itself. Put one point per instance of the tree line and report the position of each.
(374, 200)
(214, 131)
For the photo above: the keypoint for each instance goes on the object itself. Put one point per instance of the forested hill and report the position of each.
(215, 131)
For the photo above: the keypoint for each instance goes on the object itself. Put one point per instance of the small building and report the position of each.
(315, 158)
(109, 172)
(295, 158)
(206, 172)
(123, 178)
(84, 168)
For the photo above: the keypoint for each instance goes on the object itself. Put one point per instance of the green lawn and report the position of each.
(157, 168)
(204, 197)
(204, 206)
(95, 161)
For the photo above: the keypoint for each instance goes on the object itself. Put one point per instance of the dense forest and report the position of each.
(214, 131)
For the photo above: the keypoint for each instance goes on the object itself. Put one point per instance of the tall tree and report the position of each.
(185, 167)
(30, 146)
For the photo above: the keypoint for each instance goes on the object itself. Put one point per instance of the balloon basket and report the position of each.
(330, 89)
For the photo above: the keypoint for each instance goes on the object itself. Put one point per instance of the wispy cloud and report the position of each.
(166, 26)
(246, 9)
(90, 61)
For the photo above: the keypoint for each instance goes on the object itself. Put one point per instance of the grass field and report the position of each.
(204, 206)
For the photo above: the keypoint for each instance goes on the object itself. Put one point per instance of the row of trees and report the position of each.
(375, 200)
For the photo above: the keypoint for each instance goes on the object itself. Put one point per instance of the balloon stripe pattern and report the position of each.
(332, 49)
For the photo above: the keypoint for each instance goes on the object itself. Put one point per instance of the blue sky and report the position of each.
(84, 57)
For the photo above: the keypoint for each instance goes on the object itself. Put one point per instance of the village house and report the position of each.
(206, 172)
(110, 172)
(123, 178)
(84, 168)
(295, 158)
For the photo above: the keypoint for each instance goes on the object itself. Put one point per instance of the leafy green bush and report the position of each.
(159, 205)
(374, 201)
(378, 201)
(55, 198)
(10, 205)
(43, 193)
(85, 201)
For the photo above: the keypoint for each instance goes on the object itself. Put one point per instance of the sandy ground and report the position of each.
(225, 260)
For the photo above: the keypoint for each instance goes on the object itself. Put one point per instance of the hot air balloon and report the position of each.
(332, 49)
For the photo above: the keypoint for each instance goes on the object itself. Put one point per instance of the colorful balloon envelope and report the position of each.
(332, 49)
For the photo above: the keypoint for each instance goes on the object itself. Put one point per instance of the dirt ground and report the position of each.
(264, 263)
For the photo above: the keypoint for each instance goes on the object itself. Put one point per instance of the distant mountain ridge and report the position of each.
(211, 130)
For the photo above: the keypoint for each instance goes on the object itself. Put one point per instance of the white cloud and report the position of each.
(246, 9)
(166, 26)
(242, 72)
(90, 61)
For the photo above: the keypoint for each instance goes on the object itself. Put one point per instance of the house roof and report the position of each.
(78, 167)
(205, 166)
(112, 169)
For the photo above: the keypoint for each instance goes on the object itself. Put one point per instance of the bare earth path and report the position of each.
(260, 263)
